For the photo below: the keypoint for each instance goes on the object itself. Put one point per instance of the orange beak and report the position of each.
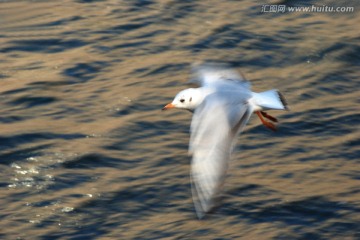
(170, 105)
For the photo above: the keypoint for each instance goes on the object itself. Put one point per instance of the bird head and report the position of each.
(186, 99)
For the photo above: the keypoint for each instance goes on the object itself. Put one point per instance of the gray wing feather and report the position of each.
(209, 74)
(215, 125)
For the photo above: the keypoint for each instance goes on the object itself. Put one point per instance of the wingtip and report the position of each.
(200, 215)
(200, 211)
(201, 207)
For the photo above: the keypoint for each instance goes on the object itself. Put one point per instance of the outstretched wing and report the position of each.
(215, 74)
(215, 124)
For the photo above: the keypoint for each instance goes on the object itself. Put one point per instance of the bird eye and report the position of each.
(182, 100)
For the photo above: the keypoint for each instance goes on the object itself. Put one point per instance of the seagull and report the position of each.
(221, 106)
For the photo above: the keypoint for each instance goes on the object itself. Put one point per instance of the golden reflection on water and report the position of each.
(88, 153)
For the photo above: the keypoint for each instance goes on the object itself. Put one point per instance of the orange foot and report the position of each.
(271, 118)
(267, 124)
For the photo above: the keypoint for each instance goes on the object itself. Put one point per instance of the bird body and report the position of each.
(222, 106)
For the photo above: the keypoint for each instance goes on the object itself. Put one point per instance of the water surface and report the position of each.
(86, 152)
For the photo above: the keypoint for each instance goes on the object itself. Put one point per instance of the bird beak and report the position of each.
(170, 105)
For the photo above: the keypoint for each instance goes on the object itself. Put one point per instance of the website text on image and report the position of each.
(312, 8)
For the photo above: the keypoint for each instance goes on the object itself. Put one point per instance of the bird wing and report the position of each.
(214, 127)
(215, 74)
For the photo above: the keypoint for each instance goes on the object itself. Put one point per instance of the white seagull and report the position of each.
(222, 105)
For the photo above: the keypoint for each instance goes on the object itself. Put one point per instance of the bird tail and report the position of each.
(271, 99)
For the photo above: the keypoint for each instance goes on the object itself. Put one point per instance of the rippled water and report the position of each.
(86, 153)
